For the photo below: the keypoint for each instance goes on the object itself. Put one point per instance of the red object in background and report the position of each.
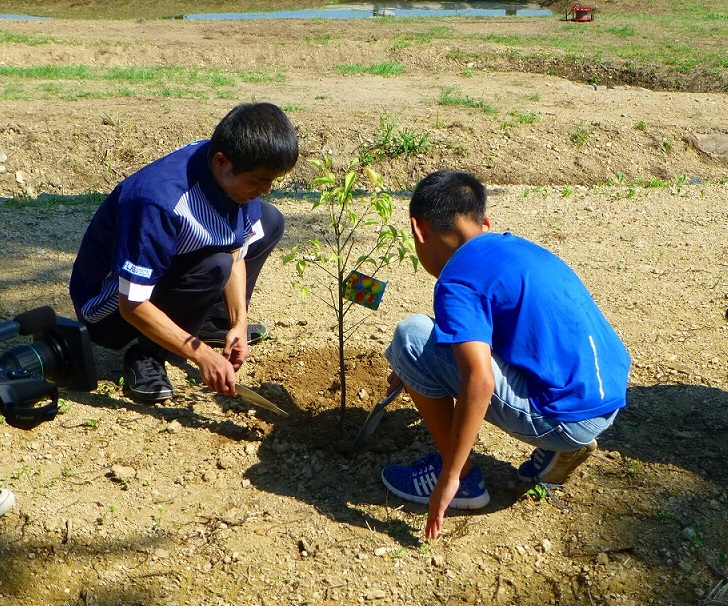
(580, 13)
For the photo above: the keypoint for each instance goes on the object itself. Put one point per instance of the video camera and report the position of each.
(60, 356)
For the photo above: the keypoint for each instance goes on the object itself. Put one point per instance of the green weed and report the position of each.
(581, 135)
(450, 97)
(394, 142)
(384, 69)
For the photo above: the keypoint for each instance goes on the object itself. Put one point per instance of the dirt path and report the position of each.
(205, 501)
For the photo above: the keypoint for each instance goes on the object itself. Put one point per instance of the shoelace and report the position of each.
(149, 366)
(558, 503)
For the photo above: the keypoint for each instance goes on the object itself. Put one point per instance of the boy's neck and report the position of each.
(449, 242)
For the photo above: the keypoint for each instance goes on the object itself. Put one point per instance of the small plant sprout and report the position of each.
(342, 248)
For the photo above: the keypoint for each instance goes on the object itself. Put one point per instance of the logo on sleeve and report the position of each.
(143, 272)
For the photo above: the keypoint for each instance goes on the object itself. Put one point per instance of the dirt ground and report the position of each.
(208, 501)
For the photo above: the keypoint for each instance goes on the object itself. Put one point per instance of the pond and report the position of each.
(404, 8)
(392, 9)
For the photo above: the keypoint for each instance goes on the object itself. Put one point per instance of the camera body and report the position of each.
(60, 356)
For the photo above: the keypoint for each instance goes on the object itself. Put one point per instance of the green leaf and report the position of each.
(291, 255)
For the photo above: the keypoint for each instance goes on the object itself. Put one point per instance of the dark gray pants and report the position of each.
(191, 291)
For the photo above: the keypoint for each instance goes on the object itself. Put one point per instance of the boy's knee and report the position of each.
(412, 333)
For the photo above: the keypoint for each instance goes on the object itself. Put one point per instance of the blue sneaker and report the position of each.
(552, 467)
(415, 483)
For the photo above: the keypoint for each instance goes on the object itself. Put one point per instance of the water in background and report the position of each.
(392, 9)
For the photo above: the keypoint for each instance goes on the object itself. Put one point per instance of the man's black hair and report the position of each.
(256, 135)
(443, 196)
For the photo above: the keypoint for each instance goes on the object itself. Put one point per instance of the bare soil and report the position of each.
(208, 501)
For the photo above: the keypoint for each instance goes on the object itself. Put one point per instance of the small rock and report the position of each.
(546, 545)
(173, 426)
(281, 447)
(380, 551)
(375, 594)
(602, 559)
(437, 561)
(120, 473)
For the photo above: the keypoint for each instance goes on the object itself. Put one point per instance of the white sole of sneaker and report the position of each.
(7, 500)
(481, 501)
(552, 474)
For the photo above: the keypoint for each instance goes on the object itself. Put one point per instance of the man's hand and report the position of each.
(236, 346)
(217, 372)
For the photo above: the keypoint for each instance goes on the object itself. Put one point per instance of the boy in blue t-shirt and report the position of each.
(516, 339)
(172, 255)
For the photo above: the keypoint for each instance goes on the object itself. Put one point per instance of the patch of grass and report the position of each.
(70, 82)
(319, 39)
(524, 117)
(53, 201)
(260, 76)
(450, 97)
(581, 135)
(384, 69)
(439, 32)
(393, 142)
(27, 39)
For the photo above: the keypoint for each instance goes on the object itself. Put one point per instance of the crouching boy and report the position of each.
(516, 339)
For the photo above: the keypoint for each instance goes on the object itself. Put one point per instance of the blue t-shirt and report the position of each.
(534, 311)
(170, 207)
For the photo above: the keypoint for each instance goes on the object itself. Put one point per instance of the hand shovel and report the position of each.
(254, 398)
(376, 414)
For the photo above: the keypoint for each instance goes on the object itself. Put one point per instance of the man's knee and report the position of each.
(273, 222)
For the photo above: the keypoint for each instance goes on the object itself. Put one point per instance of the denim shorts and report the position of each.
(431, 369)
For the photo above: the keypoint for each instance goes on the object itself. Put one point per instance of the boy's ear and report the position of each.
(420, 229)
(486, 224)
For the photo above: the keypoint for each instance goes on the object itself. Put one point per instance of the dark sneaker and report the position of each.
(552, 467)
(415, 483)
(214, 334)
(145, 376)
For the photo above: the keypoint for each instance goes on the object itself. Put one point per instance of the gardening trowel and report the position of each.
(372, 421)
(255, 398)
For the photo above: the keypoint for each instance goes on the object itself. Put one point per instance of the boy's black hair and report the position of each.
(443, 196)
(256, 135)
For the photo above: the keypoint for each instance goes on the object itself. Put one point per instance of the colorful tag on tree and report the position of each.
(364, 290)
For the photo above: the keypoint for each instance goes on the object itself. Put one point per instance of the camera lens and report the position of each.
(44, 356)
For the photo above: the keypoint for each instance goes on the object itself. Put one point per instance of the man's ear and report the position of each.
(220, 161)
(420, 230)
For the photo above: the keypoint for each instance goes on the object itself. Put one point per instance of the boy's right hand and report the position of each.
(394, 382)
